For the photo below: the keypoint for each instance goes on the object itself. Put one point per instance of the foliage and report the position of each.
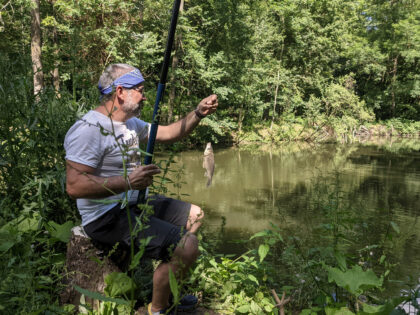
(336, 57)
(238, 285)
(284, 71)
(354, 280)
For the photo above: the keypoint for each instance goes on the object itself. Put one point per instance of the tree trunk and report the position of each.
(56, 74)
(87, 265)
(175, 61)
(36, 47)
(275, 99)
(394, 79)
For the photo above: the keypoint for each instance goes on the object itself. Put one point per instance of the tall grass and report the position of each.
(32, 187)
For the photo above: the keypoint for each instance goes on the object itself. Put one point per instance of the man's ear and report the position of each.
(120, 93)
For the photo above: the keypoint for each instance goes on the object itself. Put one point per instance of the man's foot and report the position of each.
(164, 311)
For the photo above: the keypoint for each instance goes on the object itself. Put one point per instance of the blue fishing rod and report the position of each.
(159, 95)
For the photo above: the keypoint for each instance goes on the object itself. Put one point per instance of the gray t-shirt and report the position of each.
(97, 141)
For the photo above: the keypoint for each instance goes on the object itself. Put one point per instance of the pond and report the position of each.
(375, 185)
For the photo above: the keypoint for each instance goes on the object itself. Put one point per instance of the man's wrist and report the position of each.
(198, 114)
(128, 183)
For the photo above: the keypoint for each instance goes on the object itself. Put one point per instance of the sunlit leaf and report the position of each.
(395, 227)
(100, 297)
(117, 284)
(384, 309)
(173, 285)
(261, 234)
(253, 279)
(354, 280)
(263, 251)
(243, 309)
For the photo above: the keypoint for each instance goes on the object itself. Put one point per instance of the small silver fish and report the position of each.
(208, 163)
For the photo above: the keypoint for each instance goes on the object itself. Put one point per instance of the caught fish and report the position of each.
(208, 163)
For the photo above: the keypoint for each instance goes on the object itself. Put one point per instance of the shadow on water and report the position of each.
(375, 183)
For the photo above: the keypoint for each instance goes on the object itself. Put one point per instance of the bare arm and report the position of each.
(81, 183)
(184, 126)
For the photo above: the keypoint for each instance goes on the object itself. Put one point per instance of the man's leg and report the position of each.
(177, 212)
(184, 215)
(194, 219)
(184, 256)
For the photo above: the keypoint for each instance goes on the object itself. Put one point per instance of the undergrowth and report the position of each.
(340, 275)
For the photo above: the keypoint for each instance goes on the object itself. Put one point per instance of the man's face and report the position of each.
(134, 101)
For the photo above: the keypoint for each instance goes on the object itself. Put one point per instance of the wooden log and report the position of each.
(87, 264)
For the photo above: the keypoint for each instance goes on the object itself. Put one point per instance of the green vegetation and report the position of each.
(284, 71)
(330, 66)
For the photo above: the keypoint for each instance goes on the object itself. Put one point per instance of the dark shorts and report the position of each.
(165, 224)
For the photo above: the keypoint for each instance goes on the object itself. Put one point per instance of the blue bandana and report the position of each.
(127, 80)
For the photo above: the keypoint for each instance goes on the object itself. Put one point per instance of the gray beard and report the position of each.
(131, 108)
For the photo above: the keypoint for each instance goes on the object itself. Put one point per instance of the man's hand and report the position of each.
(142, 176)
(208, 105)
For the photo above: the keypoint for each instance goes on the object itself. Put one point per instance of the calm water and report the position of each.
(374, 182)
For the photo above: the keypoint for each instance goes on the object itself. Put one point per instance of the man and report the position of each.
(98, 149)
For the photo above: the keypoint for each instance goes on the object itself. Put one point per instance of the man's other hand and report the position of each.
(142, 176)
(208, 105)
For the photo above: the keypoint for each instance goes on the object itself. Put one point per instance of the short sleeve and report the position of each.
(83, 145)
(141, 127)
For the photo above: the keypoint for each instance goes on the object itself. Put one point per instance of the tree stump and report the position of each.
(87, 264)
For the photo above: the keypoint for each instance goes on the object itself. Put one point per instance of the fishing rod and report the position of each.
(159, 95)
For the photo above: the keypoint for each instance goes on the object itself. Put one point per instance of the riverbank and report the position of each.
(301, 130)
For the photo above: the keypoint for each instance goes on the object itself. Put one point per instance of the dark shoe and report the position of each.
(187, 303)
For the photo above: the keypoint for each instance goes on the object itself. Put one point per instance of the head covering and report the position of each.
(127, 80)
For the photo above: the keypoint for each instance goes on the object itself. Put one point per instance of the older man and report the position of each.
(100, 147)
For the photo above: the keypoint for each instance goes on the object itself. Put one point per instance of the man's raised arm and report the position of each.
(184, 126)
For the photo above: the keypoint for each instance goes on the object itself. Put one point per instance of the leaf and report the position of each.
(243, 309)
(382, 259)
(263, 251)
(100, 297)
(213, 263)
(354, 280)
(341, 260)
(62, 232)
(253, 279)
(395, 227)
(261, 234)
(174, 285)
(8, 239)
(23, 223)
(268, 308)
(136, 260)
(29, 224)
(384, 309)
(255, 308)
(117, 284)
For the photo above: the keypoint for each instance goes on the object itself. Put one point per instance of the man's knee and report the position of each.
(195, 218)
(188, 248)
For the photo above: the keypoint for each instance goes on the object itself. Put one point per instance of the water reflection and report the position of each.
(376, 183)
